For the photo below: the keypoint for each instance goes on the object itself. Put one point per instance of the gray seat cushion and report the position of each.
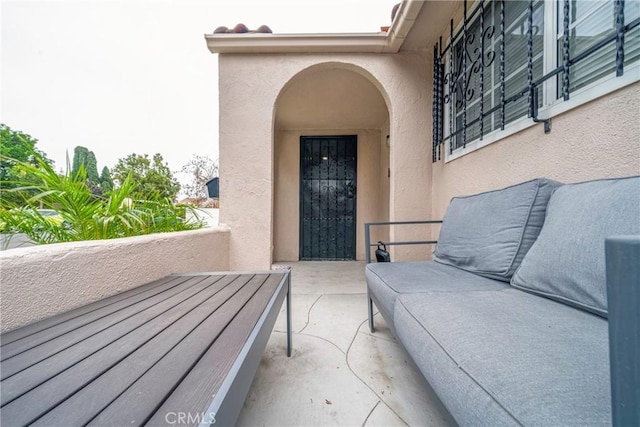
(385, 280)
(508, 357)
(489, 233)
(567, 262)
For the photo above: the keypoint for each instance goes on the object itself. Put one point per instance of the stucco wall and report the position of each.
(596, 140)
(249, 88)
(287, 188)
(410, 157)
(382, 233)
(41, 281)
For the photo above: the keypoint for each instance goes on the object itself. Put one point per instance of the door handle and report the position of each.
(351, 191)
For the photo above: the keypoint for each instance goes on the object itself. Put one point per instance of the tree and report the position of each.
(200, 170)
(153, 176)
(83, 157)
(15, 147)
(81, 215)
(92, 168)
(106, 183)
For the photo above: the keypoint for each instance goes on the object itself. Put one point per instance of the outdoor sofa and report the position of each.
(508, 322)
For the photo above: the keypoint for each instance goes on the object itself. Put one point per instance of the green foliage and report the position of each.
(15, 147)
(153, 176)
(84, 158)
(79, 159)
(92, 168)
(82, 214)
(106, 183)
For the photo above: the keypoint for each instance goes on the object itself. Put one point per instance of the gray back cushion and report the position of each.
(489, 233)
(567, 262)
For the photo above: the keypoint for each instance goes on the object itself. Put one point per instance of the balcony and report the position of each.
(339, 373)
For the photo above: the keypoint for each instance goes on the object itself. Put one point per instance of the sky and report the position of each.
(135, 76)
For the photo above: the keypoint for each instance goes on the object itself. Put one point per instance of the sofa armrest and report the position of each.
(623, 296)
(367, 235)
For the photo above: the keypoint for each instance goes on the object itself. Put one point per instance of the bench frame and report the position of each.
(369, 245)
(227, 403)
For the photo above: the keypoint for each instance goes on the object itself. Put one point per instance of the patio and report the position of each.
(339, 373)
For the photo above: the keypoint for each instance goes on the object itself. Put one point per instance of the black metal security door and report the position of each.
(328, 197)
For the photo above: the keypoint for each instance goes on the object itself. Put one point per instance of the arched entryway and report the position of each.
(331, 120)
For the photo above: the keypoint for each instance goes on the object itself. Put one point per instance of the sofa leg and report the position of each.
(370, 303)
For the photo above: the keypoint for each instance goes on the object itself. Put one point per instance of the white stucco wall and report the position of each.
(41, 281)
(599, 139)
(249, 90)
(382, 233)
(596, 140)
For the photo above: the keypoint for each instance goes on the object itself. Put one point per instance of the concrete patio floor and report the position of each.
(339, 373)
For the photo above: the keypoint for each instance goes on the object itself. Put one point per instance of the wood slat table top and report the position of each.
(133, 358)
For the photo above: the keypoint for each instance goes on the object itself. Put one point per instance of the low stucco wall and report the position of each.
(41, 281)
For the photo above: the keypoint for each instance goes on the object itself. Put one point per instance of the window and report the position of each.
(591, 22)
(510, 60)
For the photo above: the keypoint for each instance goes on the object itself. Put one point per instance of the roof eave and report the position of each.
(294, 43)
(383, 42)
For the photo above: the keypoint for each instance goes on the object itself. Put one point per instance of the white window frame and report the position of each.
(551, 107)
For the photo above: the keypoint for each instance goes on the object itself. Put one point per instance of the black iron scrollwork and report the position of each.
(477, 58)
(461, 60)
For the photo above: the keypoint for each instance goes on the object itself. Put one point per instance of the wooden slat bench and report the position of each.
(182, 350)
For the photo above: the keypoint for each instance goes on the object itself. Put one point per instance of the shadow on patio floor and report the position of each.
(339, 373)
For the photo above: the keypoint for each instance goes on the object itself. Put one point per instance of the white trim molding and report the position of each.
(382, 42)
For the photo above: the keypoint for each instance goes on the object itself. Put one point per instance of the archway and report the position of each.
(329, 100)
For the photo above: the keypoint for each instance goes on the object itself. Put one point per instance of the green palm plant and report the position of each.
(81, 214)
